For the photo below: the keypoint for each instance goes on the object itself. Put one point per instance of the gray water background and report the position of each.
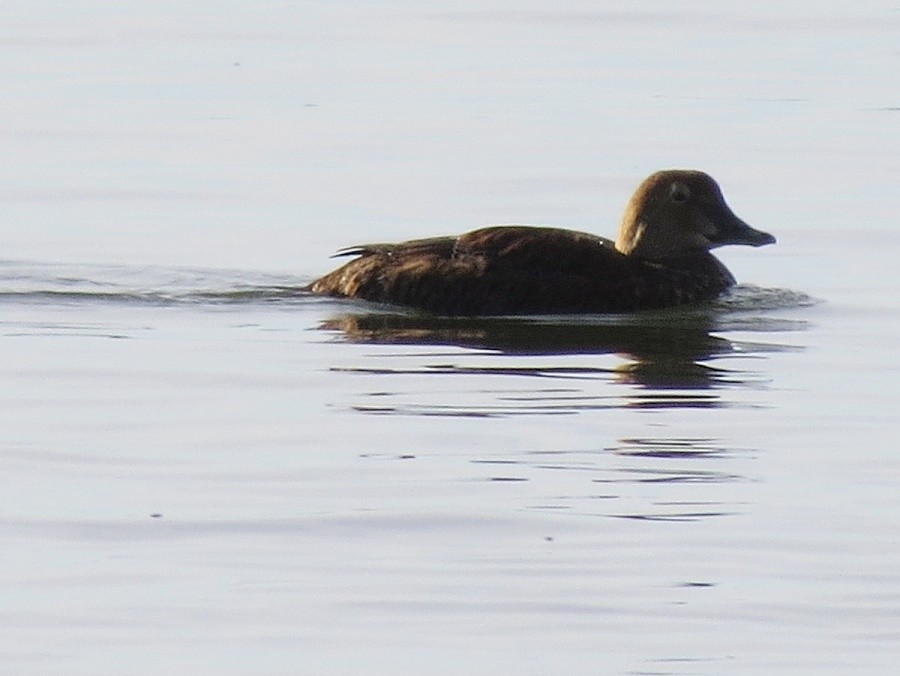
(206, 471)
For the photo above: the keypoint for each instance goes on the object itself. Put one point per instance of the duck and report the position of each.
(661, 258)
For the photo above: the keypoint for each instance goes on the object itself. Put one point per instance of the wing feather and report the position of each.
(541, 250)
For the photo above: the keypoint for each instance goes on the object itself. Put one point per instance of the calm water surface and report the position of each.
(207, 471)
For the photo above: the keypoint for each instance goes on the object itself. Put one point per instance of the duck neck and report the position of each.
(697, 272)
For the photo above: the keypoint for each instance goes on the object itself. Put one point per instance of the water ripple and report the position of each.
(71, 284)
(643, 479)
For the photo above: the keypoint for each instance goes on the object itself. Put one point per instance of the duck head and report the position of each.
(677, 212)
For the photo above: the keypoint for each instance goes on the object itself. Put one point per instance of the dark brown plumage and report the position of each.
(660, 258)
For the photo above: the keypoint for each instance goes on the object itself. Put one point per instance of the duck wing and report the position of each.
(502, 246)
(436, 246)
(495, 270)
(538, 251)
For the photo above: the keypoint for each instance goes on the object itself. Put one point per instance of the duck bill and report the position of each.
(735, 231)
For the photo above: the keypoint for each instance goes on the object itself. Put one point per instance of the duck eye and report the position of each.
(679, 193)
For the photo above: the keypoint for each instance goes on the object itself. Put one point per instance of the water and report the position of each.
(208, 471)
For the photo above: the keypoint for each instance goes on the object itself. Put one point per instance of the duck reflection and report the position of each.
(665, 350)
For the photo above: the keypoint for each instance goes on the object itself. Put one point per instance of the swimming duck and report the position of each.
(660, 258)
